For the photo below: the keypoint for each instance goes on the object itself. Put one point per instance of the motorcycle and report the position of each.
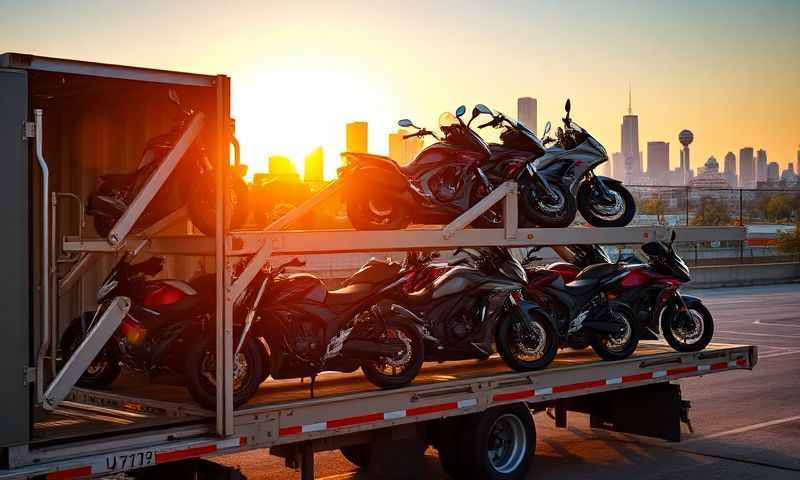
(474, 304)
(168, 322)
(442, 182)
(192, 183)
(652, 292)
(308, 329)
(584, 312)
(568, 166)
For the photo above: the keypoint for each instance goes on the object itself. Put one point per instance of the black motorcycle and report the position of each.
(567, 167)
(442, 182)
(309, 329)
(474, 304)
(192, 183)
(585, 313)
(168, 323)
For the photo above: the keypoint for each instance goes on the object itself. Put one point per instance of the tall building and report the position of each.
(618, 169)
(773, 172)
(686, 137)
(630, 144)
(280, 165)
(658, 162)
(404, 150)
(357, 137)
(709, 176)
(788, 175)
(527, 112)
(730, 169)
(761, 164)
(747, 168)
(314, 171)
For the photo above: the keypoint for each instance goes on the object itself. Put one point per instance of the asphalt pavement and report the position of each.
(746, 424)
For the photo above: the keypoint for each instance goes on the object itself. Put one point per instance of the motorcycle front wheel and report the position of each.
(201, 371)
(616, 213)
(104, 369)
(529, 348)
(556, 212)
(202, 203)
(400, 370)
(690, 333)
(377, 211)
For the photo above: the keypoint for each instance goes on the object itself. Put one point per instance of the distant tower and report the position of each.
(527, 112)
(730, 169)
(761, 165)
(773, 173)
(630, 144)
(314, 171)
(404, 150)
(747, 168)
(357, 137)
(686, 137)
(658, 162)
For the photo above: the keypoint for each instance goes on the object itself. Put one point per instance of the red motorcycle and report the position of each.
(651, 290)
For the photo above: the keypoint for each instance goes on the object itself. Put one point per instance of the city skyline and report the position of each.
(294, 88)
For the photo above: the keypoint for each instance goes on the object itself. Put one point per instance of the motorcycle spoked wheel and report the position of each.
(539, 211)
(617, 214)
(377, 211)
(201, 370)
(401, 370)
(202, 202)
(104, 369)
(690, 334)
(617, 346)
(524, 350)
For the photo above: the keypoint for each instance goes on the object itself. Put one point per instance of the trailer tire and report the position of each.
(358, 455)
(450, 443)
(498, 444)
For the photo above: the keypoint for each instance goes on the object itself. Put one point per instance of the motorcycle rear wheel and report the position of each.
(398, 372)
(522, 355)
(202, 203)
(617, 346)
(104, 369)
(541, 212)
(377, 212)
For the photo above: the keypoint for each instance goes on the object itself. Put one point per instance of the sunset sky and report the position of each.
(727, 70)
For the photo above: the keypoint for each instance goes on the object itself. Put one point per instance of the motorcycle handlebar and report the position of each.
(484, 125)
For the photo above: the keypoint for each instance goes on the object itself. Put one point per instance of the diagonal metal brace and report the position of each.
(479, 208)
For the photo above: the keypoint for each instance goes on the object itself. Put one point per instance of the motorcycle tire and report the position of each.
(377, 212)
(202, 203)
(547, 215)
(200, 368)
(590, 209)
(358, 455)
(621, 346)
(104, 369)
(507, 342)
(702, 318)
(372, 369)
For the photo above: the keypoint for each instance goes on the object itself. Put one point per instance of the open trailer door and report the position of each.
(15, 343)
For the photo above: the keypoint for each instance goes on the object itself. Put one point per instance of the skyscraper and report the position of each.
(747, 168)
(761, 164)
(280, 165)
(773, 172)
(527, 112)
(630, 144)
(658, 162)
(357, 137)
(314, 171)
(404, 150)
(618, 170)
(730, 169)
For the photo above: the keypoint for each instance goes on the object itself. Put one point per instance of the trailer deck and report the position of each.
(96, 426)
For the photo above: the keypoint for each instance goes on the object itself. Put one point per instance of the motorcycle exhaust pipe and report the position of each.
(366, 349)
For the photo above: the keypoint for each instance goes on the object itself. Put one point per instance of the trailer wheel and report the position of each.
(499, 443)
(358, 455)
(450, 443)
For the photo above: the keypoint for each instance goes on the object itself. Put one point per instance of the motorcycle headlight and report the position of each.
(106, 288)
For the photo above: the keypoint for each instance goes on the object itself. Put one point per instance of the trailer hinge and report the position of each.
(28, 130)
(28, 375)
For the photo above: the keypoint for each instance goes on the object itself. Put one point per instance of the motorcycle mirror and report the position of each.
(547, 127)
(481, 108)
(672, 238)
(460, 111)
(173, 95)
(407, 123)
(568, 106)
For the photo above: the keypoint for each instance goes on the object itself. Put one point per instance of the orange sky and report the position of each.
(727, 70)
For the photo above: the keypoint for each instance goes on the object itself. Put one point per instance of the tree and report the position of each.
(711, 212)
(789, 242)
(655, 206)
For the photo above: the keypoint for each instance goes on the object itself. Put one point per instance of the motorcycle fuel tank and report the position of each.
(299, 287)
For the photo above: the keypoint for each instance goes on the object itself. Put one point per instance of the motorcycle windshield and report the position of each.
(525, 131)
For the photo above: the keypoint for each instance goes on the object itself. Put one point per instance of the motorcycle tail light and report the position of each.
(133, 331)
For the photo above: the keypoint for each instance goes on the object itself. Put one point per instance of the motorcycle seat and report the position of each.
(348, 295)
(581, 286)
(597, 271)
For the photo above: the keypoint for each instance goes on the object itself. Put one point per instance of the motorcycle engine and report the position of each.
(306, 339)
(446, 184)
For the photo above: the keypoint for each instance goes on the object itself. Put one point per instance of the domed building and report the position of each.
(710, 176)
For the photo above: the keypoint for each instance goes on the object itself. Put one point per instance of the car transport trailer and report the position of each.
(64, 123)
